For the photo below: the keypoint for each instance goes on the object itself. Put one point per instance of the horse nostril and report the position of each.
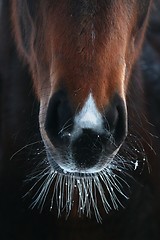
(59, 120)
(115, 120)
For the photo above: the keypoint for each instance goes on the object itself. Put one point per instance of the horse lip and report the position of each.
(75, 172)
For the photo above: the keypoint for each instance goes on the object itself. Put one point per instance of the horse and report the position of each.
(79, 148)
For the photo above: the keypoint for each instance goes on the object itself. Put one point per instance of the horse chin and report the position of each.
(61, 160)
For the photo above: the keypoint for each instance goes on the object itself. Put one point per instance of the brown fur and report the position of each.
(67, 56)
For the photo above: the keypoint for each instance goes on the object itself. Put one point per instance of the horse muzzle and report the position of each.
(83, 141)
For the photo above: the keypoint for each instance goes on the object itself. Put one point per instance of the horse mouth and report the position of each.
(88, 160)
(73, 171)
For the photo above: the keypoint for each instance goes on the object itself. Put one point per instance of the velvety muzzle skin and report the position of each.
(85, 141)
